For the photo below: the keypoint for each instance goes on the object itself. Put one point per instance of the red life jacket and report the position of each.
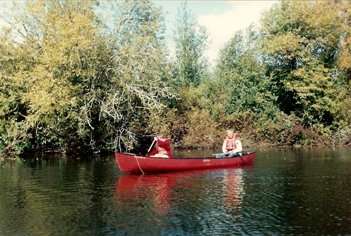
(162, 147)
(230, 142)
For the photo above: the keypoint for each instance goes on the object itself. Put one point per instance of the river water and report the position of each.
(287, 191)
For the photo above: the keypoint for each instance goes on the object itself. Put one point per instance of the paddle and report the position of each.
(152, 144)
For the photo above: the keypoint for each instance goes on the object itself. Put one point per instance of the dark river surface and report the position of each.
(287, 191)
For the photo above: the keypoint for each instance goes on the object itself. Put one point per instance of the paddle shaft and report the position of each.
(152, 144)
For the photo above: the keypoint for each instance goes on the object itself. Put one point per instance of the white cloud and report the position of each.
(222, 27)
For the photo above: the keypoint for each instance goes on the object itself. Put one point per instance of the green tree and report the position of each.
(191, 42)
(71, 80)
(241, 80)
(188, 72)
(300, 45)
(238, 95)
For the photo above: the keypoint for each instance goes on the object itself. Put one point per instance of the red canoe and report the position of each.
(139, 164)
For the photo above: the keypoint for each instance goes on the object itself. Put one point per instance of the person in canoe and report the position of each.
(162, 148)
(231, 144)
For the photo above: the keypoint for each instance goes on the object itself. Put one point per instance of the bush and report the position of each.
(202, 130)
(342, 136)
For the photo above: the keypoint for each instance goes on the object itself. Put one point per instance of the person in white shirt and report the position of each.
(231, 144)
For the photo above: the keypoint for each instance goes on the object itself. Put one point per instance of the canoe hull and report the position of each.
(139, 164)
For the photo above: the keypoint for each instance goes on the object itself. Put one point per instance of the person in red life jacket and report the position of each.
(162, 148)
(231, 144)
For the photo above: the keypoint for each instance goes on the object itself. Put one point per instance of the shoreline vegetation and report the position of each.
(96, 76)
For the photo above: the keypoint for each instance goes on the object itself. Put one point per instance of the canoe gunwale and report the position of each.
(188, 158)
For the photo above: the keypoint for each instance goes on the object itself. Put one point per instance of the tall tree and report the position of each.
(76, 81)
(241, 79)
(189, 69)
(191, 42)
(344, 62)
(301, 45)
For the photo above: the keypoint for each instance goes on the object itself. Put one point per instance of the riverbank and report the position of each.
(182, 151)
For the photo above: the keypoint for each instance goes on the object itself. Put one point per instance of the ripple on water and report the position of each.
(277, 196)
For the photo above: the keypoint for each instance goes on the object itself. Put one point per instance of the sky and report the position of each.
(222, 19)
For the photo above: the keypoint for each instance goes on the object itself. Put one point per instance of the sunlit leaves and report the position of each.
(301, 43)
(80, 82)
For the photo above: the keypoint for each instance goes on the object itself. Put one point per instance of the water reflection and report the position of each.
(293, 192)
(133, 188)
(234, 188)
(199, 198)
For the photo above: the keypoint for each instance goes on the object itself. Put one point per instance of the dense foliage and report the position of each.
(303, 45)
(68, 81)
(76, 76)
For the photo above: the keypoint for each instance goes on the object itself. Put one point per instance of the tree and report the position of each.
(189, 70)
(74, 81)
(344, 63)
(301, 46)
(241, 78)
(190, 38)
